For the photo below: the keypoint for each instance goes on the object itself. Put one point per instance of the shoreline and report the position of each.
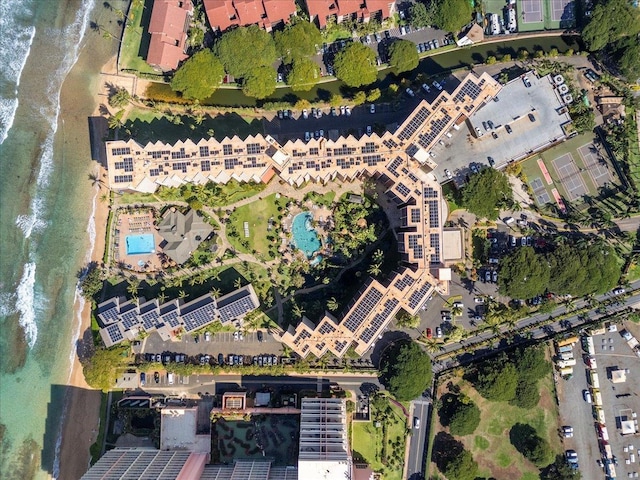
(81, 412)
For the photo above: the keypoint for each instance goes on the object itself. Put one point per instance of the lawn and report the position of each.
(368, 442)
(261, 236)
(135, 41)
(634, 272)
(634, 147)
(151, 126)
(490, 443)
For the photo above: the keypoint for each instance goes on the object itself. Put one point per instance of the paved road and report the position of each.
(417, 444)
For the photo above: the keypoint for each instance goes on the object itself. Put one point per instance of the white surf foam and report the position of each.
(25, 303)
(15, 45)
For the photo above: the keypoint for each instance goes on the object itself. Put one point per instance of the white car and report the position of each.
(478, 300)
(438, 332)
(586, 394)
(369, 130)
(372, 108)
(448, 174)
(618, 291)
(347, 110)
(567, 431)
(236, 335)
(410, 92)
(426, 88)
(307, 136)
(305, 114)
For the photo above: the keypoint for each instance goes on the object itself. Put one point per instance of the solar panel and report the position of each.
(403, 282)
(379, 320)
(394, 165)
(435, 244)
(362, 308)
(114, 333)
(418, 297)
(414, 124)
(434, 217)
(403, 189)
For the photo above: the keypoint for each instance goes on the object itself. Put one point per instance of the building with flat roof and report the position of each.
(168, 28)
(267, 14)
(324, 445)
(179, 431)
(325, 11)
(401, 161)
(121, 319)
(182, 233)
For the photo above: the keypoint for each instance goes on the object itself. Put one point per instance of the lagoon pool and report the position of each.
(140, 244)
(305, 237)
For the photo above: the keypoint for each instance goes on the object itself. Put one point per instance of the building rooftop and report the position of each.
(223, 14)
(178, 431)
(182, 233)
(168, 29)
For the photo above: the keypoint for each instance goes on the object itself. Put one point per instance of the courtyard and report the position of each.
(265, 436)
(136, 240)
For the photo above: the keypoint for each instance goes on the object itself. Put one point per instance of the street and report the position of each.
(420, 409)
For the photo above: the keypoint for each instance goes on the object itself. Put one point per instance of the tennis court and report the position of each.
(569, 175)
(531, 10)
(562, 10)
(595, 164)
(540, 191)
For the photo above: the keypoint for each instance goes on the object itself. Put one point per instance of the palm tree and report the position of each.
(378, 256)
(297, 311)
(456, 311)
(374, 269)
(162, 297)
(115, 121)
(133, 287)
(237, 282)
(215, 292)
(332, 304)
(433, 345)
(182, 294)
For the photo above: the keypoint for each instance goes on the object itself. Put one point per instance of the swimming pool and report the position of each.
(140, 244)
(305, 237)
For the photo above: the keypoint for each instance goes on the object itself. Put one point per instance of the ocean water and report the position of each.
(47, 231)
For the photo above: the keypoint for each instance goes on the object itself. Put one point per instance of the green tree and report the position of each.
(462, 467)
(459, 413)
(91, 283)
(406, 370)
(332, 304)
(356, 65)
(405, 320)
(260, 82)
(630, 60)
(403, 56)
(298, 40)
(304, 74)
(486, 193)
(374, 95)
(115, 121)
(559, 470)
(100, 369)
(199, 76)
(421, 15)
(452, 459)
(491, 60)
(359, 98)
(527, 394)
(526, 440)
(452, 15)
(244, 49)
(119, 97)
(497, 380)
(523, 274)
(610, 21)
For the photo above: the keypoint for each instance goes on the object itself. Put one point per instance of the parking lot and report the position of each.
(498, 135)
(619, 401)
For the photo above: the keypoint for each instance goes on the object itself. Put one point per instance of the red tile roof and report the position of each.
(168, 29)
(340, 8)
(223, 14)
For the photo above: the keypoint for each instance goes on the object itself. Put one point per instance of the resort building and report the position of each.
(182, 233)
(148, 464)
(325, 11)
(121, 319)
(267, 14)
(179, 431)
(168, 28)
(324, 445)
(401, 161)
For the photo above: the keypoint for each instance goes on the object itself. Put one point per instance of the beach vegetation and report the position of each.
(406, 370)
(355, 65)
(100, 368)
(487, 192)
(199, 76)
(260, 82)
(304, 74)
(119, 97)
(297, 41)
(91, 280)
(403, 56)
(245, 49)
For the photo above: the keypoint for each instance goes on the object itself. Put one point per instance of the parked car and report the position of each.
(369, 130)
(260, 336)
(618, 291)
(143, 379)
(567, 431)
(429, 333)
(410, 92)
(586, 394)
(372, 108)
(426, 88)
(416, 423)
(532, 117)
(220, 359)
(347, 110)
(207, 336)
(495, 276)
(526, 81)
(236, 335)
(508, 129)
(305, 113)
(307, 136)
(448, 174)
(156, 377)
(438, 332)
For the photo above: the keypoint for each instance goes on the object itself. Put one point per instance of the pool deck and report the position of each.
(136, 224)
(319, 213)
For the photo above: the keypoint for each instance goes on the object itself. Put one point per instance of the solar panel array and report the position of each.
(469, 89)
(414, 124)
(434, 217)
(436, 128)
(394, 165)
(415, 215)
(380, 320)
(247, 470)
(138, 464)
(115, 334)
(435, 244)
(200, 317)
(419, 295)
(237, 309)
(364, 305)
(403, 282)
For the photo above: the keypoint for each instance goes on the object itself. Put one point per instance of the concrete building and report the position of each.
(324, 11)
(121, 319)
(324, 447)
(179, 431)
(267, 14)
(402, 161)
(168, 28)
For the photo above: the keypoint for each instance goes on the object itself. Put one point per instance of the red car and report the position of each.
(429, 333)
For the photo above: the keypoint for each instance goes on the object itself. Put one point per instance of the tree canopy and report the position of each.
(298, 40)
(403, 56)
(527, 441)
(452, 15)
(459, 413)
(497, 380)
(421, 15)
(406, 371)
(304, 74)
(452, 459)
(559, 470)
(100, 369)
(91, 283)
(523, 274)
(487, 192)
(356, 65)
(244, 49)
(199, 76)
(610, 21)
(260, 82)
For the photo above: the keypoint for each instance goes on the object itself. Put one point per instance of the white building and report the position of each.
(324, 447)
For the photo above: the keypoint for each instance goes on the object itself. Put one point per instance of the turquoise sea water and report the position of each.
(305, 237)
(46, 205)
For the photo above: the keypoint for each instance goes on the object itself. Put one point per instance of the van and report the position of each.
(170, 379)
